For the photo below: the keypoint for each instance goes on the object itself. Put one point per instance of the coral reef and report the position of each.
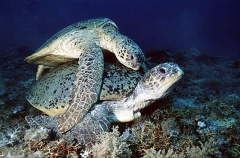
(111, 144)
(200, 118)
(9, 136)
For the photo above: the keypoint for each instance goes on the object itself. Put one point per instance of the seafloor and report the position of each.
(200, 118)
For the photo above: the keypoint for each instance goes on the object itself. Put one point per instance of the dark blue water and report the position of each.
(212, 26)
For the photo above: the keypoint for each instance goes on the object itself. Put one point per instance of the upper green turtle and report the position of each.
(85, 41)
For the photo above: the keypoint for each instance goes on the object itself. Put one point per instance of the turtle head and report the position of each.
(125, 49)
(157, 83)
(129, 53)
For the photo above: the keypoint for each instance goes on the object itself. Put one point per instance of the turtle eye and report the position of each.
(162, 70)
(131, 57)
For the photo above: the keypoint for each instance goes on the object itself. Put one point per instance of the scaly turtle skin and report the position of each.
(155, 84)
(52, 92)
(85, 41)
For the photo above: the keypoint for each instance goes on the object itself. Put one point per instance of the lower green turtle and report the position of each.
(85, 41)
(155, 84)
(52, 92)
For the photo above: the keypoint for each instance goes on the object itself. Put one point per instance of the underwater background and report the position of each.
(200, 118)
(212, 26)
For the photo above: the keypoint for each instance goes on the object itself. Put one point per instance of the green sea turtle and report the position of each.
(155, 84)
(52, 92)
(85, 41)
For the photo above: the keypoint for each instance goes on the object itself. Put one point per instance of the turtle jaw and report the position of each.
(135, 66)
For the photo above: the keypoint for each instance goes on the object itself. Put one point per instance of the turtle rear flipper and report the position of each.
(85, 132)
(86, 86)
(91, 126)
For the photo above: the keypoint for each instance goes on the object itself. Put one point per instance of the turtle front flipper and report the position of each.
(86, 86)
